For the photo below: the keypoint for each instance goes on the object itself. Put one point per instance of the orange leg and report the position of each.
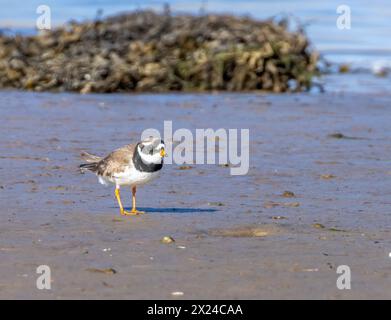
(121, 207)
(134, 210)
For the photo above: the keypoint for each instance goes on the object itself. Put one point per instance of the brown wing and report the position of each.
(117, 161)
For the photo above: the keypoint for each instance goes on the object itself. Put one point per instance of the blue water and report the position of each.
(366, 45)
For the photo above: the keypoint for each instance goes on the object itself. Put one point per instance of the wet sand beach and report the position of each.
(235, 236)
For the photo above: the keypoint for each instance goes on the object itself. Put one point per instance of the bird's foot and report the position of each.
(133, 212)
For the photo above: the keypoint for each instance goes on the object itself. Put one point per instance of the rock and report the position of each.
(104, 271)
(167, 240)
(292, 204)
(336, 229)
(327, 176)
(337, 135)
(271, 204)
(86, 89)
(147, 51)
(288, 194)
(344, 68)
(215, 204)
(278, 218)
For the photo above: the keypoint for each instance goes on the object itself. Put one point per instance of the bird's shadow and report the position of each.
(173, 210)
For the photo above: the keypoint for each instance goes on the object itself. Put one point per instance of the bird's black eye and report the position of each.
(151, 152)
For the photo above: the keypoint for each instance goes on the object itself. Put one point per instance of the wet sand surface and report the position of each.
(235, 236)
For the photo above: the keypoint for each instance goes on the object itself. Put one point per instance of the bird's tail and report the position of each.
(91, 160)
(88, 166)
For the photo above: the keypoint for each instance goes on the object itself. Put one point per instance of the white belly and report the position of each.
(130, 177)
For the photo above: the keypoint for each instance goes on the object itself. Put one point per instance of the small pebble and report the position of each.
(327, 176)
(185, 167)
(292, 204)
(216, 204)
(278, 218)
(337, 135)
(288, 194)
(167, 240)
(105, 271)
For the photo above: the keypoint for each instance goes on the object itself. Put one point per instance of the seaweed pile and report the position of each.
(149, 51)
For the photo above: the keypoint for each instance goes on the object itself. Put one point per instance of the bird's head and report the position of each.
(151, 150)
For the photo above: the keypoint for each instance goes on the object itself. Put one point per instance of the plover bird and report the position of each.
(132, 165)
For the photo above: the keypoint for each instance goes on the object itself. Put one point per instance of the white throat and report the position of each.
(148, 158)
